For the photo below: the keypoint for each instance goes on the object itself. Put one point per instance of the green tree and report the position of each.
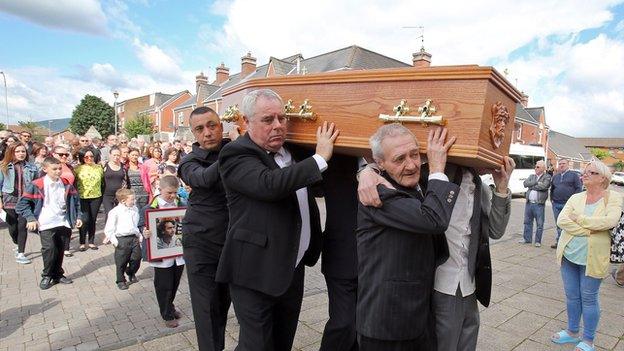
(141, 124)
(93, 111)
(619, 166)
(599, 153)
(2, 126)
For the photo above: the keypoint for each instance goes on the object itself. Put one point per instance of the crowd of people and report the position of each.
(405, 248)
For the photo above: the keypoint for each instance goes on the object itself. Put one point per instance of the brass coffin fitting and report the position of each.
(426, 114)
(305, 111)
(231, 114)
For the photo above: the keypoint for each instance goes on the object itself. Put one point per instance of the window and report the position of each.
(518, 131)
(180, 118)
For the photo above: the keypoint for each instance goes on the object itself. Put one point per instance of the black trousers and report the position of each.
(166, 282)
(109, 202)
(210, 300)
(339, 333)
(17, 229)
(267, 322)
(89, 208)
(52, 246)
(127, 257)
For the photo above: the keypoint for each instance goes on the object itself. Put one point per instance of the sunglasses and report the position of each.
(62, 154)
(590, 173)
(88, 157)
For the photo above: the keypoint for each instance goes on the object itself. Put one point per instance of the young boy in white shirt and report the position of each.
(167, 272)
(51, 204)
(123, 232)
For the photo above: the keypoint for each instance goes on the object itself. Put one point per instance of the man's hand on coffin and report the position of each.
(368, 180)
(234, 133)
(437, 149)
(325, 137)
(501, 176)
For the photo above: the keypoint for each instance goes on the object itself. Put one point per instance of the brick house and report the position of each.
(130, 108)
(614, 146)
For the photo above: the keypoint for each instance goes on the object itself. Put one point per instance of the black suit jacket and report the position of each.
(339, 258)
(399, 246)
(262, 240)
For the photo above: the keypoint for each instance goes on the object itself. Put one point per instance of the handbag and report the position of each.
(617, 242)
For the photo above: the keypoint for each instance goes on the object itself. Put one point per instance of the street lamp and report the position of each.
(116, 95)
(6, 98)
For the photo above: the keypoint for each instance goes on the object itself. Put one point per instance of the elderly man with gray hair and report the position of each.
(400, 244)
(274, 228)
(537, 193)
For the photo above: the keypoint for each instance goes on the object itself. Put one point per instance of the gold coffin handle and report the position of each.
(231, 114)
(426, 114)
(305, 111)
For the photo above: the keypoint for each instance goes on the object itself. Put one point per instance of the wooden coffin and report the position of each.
(476, 103)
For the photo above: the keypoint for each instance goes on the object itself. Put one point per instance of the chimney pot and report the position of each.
(199, 80)
(421, 59)
(524, 100)
(223, 74)
(248, 65)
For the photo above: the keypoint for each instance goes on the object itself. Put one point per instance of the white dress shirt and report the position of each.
(53, 212)
(122, 221)
(283, 158)
(167, 262)
(455, 271)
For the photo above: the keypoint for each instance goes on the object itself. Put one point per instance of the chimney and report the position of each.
(200, 79)
(421, 59)
(248, 65)
(524, 100)
(223, 74)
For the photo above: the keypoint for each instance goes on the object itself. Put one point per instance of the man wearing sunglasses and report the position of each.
(537, 192)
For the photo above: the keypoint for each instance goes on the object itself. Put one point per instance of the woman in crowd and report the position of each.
(15, 173)
(90, 178)
(150, 169)
(137, 183)
(583, 251)
(115, 178)
(40, 152)
(67, 173)
(172, 158)
(124, 149)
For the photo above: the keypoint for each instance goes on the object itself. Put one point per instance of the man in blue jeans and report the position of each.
(536, 195)
(564, 185)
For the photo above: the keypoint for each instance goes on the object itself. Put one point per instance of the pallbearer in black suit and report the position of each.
(339, 258)
(274, 228)
(400, 243)
(204, 227)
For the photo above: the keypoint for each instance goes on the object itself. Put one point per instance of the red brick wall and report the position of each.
(168, 123)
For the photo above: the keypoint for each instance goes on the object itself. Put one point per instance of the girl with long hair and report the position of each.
(15, 173)
(90, 178)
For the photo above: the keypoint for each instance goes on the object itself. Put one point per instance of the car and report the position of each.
(617, 178)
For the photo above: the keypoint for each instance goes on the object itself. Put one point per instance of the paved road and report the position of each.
(92, 314)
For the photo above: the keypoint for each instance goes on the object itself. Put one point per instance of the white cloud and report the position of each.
(157, 62)
(85, 16)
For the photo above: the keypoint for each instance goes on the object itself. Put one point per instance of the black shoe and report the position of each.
(133, 279)
(122, 286)
(63, 280)
(553, 246)
(46, 283)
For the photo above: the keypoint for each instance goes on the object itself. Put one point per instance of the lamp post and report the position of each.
(116, 95)
(6, 98)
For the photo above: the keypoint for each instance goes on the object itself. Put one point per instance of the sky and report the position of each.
(568, 56)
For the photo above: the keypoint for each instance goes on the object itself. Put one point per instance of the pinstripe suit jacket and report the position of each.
(399, 246)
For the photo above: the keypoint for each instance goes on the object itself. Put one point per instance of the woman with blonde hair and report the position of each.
(583, 252)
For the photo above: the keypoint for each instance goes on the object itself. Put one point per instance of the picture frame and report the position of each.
(165, 226)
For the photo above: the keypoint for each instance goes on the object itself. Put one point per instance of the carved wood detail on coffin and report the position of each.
(426, 114)
(500, 118)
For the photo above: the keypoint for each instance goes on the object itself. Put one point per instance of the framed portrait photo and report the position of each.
(165, 226)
